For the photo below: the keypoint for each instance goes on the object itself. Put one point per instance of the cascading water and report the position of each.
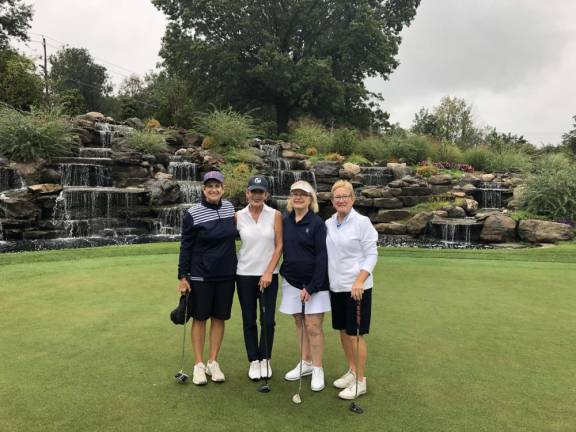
(85, 175)
(108, 132)
(95, 152)
(455, 232)
(490, 195)
(376, 176)
(10, 178)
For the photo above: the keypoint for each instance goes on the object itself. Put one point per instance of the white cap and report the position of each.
(302, 185)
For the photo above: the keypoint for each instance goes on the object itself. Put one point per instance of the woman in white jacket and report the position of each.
(352, 254)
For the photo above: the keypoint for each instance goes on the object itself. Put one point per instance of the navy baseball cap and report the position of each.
(213, 175)
(258, 183)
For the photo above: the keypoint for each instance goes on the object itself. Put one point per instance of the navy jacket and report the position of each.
(305, 258)
(207, 248)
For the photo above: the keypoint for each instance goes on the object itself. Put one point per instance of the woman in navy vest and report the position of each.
(305, 280)
(207, 269)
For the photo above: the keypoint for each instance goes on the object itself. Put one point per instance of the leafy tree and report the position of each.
(74, 69)
(569, 139)
(20, 87)
(296, 57)
(15, 18)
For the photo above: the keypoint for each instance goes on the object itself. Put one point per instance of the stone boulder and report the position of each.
(456, 212)
(391, 228)
(289, 154)
(327, 168)
(390, 215)
(538, 231)
(440, 179)
(377, 192)
(45, 188)
(487, 177)
(388, 203)
(135, 123)
(19, 206)
(498, 228)
(164, 191)
(416, 225)
(400, 170)
(351, 168)
(471, 206)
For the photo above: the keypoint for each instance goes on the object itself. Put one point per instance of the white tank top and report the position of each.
(257, 241)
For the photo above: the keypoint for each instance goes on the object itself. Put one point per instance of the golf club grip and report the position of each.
(358, 312)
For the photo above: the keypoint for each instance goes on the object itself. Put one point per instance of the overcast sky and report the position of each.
(514, 60)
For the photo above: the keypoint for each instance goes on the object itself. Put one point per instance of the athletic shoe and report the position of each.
(294, 374)
(345, 380)
(349, 392)
(254, 371)
(265, 372)
(213, 369)
(199, 375)
(317, 382)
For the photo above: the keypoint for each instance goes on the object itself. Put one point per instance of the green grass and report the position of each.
(460, 341)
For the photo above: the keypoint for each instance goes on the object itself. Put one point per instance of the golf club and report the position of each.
(265, 388)
(296, 398)
(354, 407)
(181, 376)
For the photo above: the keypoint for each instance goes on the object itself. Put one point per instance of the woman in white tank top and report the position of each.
(260, 229)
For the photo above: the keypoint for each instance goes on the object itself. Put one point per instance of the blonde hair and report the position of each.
(313, 199)
(342, 184)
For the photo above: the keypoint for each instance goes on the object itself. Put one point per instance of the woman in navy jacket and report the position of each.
(305, 280)
(207, 269)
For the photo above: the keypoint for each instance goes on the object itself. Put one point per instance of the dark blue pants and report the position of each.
(248, 293)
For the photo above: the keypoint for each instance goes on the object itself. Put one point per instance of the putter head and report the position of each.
(181, 377)
(297, 399)
(355, 408)
(264, 388)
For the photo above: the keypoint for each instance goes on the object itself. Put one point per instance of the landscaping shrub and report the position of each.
(446, 151)
(372, 148)
(479, 157)
(41, 134)
(510, 161)
(236, 176)
(228, 128)
(357, 159)
(426, 169)
(344, 141)
(147, 142)
(550, 189)
(310, 134)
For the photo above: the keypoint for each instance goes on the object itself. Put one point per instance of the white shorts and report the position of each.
(291, 304)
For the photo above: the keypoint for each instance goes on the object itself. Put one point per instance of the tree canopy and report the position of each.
(296, 57)
(73, 73)
(20, 87)
(569, 139)
(15, 18)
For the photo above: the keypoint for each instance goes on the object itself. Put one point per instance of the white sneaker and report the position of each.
(294, 374)
(349, 392)
(213, 369)
(265, 372)
(345, 380)
(317, 382)
(254, 371)
(199, 375)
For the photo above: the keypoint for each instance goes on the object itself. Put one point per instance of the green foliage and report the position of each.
(20, 87)
(297, 57)
(550, 189)
(42, 134)
(227, 127)
(344, 141)
(479, 157)
(242, 155)
(397, 146)
(310, 134)
(147, 142)
(429, 206)
(74, 69)
(510, 160)
(569, 140)
(15, 17)
(357, 159)
(427, 170)
(236, 176)
(448, 152)
(519, 215)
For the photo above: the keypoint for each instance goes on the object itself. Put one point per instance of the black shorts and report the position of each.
(212, 299)
(344, 312)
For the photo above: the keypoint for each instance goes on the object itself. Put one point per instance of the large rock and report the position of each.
(498, 228)
(327, 168)
(538, 231)
(390, 215)
(391, 228)
(289, 154)
(440, 179)
(388, 203)
(45, 188)
(410, 201)
(417, 224)
(377, 192)
(19, 206)
(164, 191)
(351, 168)
(135, 122)
(416, 191)
(471, 206)
(456, 212)
(487, 177)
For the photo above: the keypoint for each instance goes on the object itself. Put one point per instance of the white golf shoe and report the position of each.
(254, 372)
(317, 382)
(265, 372)
(213, 369)
(199, 375)
(294, 374)
(345, 380)
(349, 392)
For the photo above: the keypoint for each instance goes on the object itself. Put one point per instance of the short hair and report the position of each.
(313, 200)
(342, 184)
